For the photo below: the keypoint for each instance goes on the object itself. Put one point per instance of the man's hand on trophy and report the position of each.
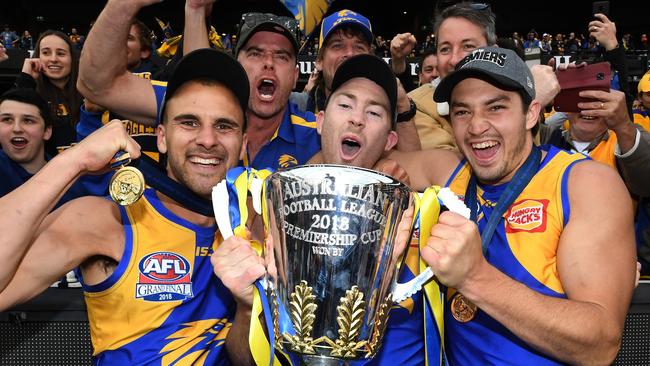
(454, 249)
(403, 236)
(95, 152)
(238, 266)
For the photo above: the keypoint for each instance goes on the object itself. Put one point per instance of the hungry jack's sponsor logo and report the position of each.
(527, 215)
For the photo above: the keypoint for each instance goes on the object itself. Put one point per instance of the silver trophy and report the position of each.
(332, 268)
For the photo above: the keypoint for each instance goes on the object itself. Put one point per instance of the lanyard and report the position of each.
(521, 179)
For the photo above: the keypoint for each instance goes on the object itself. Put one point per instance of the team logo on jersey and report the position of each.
(527, 215)
(287, 160)
(164, 276)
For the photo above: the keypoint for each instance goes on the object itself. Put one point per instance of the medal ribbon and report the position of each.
(514, 188)
(233, 192)
(429, 211)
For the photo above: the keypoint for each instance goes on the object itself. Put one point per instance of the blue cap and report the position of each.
(341, 18)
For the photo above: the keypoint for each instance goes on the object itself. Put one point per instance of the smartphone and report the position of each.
(574, 80)
(600, 7)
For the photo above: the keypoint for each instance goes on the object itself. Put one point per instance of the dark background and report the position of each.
(387, 17)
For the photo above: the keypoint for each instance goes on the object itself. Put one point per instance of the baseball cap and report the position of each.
(252, 23)
(372, 68)
(209, 63)
(341, 18)
(644, 83)
(493, 64)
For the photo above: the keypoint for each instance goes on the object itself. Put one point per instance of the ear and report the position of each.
(244, 143)
(532, 116)
(144, 54)
(47, 134)
(160, 141)
(391, 140)
(320, 119)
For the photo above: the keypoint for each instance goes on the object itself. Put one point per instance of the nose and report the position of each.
(206, 137)
(457, 55)
(478, 124)
(357, 118)
(17, 126)
(268, 60)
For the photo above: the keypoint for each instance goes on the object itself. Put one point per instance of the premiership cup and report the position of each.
(334, 259)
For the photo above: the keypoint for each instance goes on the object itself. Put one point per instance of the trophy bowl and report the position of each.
(334, 260)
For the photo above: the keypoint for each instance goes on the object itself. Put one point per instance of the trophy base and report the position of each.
(308, 360)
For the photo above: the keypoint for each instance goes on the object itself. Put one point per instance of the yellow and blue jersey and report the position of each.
(524, 247)
(294, 142)
(162, 305)
(642, 118)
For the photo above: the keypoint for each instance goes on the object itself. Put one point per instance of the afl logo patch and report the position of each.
(527, 215)
(164, 276)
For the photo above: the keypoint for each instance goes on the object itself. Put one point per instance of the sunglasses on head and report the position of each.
(250, 20)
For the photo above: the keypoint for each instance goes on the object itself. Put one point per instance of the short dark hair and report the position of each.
(144, 35)
(29, 96)
(479, 14)
(347, 29)
(426, 53)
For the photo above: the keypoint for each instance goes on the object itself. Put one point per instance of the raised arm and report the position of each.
(25, 209)
(103, 74)
(195, 32)
(426, 167)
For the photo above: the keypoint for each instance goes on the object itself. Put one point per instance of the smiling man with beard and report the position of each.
(128, 254)
(545, 265)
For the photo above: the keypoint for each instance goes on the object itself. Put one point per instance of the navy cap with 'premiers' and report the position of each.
(500, 66)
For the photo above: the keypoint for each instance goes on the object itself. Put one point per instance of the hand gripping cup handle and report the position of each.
(427, 216)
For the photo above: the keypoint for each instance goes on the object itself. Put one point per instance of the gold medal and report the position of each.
(462, 309)
(127, 184)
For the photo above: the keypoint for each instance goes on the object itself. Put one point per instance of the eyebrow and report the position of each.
(24, 115)
(371, 102)
(259, 49)
(498, 98)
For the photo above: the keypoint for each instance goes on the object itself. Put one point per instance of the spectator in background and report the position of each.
(8, 37)
(531, 40)
(545, 43)
(573, 44)
(25, 125)
(558, 44)
(381, 46)
(26, 42)
(53, 73)
(644, 42)
(519, 42)
(139, 49)
(76, 39)
(642, 113)
(428, 66)
(627, 42)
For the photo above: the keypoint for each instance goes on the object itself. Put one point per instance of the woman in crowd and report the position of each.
(53, 73)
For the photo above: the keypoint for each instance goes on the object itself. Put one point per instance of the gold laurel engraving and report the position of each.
(276, 321)
(302, 315)
(350, 319)
(381, 320)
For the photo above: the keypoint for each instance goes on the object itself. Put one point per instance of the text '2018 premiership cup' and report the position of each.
(334, 259)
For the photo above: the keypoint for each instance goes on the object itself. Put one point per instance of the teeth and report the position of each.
(19, 139)
(205, 161)
(268, 81)
(484, 145)
(587, 117)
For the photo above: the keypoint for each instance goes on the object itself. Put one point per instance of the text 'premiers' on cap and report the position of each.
(372, 68)
(341, 18)
(252, 23)
(644, 83)
(208, 63)
(500, 66)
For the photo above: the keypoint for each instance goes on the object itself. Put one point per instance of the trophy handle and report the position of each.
(428, 212)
